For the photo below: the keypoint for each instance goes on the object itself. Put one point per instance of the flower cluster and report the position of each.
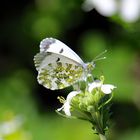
(91, 104)
(128, 10)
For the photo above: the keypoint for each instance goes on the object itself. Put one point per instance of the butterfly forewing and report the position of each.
(55, 46)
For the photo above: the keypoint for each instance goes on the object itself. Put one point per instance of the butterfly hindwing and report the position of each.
(57, 71)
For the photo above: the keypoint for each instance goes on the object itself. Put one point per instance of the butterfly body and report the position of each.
(57, 65)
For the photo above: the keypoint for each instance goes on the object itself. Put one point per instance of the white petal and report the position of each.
(107, 88)
(130, 10)
(72, 94)
(59, 109)
(106, 7)
(66, 107)
(93, 85)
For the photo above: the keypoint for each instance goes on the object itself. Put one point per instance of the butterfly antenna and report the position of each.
(98, 57)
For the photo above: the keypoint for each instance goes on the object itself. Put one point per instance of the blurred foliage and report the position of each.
(24, 25)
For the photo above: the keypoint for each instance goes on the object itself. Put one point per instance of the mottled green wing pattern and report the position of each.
(57, 72)
(59, 75)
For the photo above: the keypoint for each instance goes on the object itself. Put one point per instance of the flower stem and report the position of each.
(102, 137)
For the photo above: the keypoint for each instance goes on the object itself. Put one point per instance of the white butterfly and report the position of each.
(58, 66)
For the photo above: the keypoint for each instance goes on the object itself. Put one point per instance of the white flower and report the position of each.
(11, 126)
(104, 7)
(105, 88)
(66, 107)
(128, 10)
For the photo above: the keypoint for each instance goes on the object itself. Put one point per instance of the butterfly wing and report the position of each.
(57, 71)
(55, 46)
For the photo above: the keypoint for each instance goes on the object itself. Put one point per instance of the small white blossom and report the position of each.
(10, 126)
(66, 107)
(104, 7)
(105, 88)
(128, 10)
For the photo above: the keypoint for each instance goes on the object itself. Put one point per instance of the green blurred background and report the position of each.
(27, 110)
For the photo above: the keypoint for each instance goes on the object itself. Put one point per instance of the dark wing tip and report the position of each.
(45, 44)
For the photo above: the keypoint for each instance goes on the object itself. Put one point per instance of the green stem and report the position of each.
(102, 137)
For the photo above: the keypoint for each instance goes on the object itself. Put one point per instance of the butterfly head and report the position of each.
(90, 66)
